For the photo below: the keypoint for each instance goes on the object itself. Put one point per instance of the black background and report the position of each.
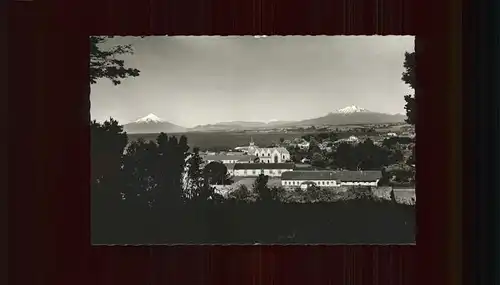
(48, 176)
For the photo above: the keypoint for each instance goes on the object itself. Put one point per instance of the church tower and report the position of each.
(252, 148)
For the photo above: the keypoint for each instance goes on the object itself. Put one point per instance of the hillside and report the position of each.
(238, 126)
(351, 119)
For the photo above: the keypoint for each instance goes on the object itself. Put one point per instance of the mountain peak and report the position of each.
(351, 109)
(152, 124)
(151, 118)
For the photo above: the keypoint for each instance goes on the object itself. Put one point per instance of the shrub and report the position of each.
(241, 194)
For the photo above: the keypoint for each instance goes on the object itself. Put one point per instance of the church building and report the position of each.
(269, 155)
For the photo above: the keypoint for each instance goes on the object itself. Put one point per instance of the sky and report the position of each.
(193, 80)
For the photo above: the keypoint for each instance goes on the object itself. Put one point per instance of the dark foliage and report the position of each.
(216, 173)
(366, 156)
(264, 193)
(353, 221)
(313, 147)
(385, 180)
(411, 160)
(105, 63)
(391, 142)
(318, 160)
(409, 77)
(393, 196)
(240, 194)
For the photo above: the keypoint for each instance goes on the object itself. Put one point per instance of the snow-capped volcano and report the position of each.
(351, 109)
(152, 124)
(151, 118)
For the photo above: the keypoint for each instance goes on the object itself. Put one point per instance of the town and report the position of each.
(309, 160)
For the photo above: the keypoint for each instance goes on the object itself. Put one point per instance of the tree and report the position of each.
(278, 192)
(362, 193)
(409, 77)
(403, 175)
(298, 191)
(171, 155)
(365, 156)
(396, 157)
(313, 193)
(389, 142)
(385, 179)
(411, 160)
(321, 136)
(296, 154)
(313, 147)
(282, 140)
(372, 157)
(394, 141)
(216, 173)
(318, 160)
(139, 174)
(108, 142)
(207, 192)
(198, 187)
(106, 64)
(333, 136)
(409, 74)
(195, 175)
(344, 157)
(241, 193)
(178, 149)
(260, 187)
(307, 137)
(393, 196)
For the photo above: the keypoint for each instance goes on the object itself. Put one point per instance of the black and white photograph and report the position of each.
(214, 140)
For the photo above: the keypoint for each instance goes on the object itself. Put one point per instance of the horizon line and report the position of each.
(124, 122)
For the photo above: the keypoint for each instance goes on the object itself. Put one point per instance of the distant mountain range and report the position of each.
(239, 125)
(351, 115)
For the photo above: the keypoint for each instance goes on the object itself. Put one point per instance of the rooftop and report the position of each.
(354, 176)
(239, 157)
(270, 149)
(264, 166)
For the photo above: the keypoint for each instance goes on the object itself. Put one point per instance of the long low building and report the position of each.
(255, 169)
(330, 178)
